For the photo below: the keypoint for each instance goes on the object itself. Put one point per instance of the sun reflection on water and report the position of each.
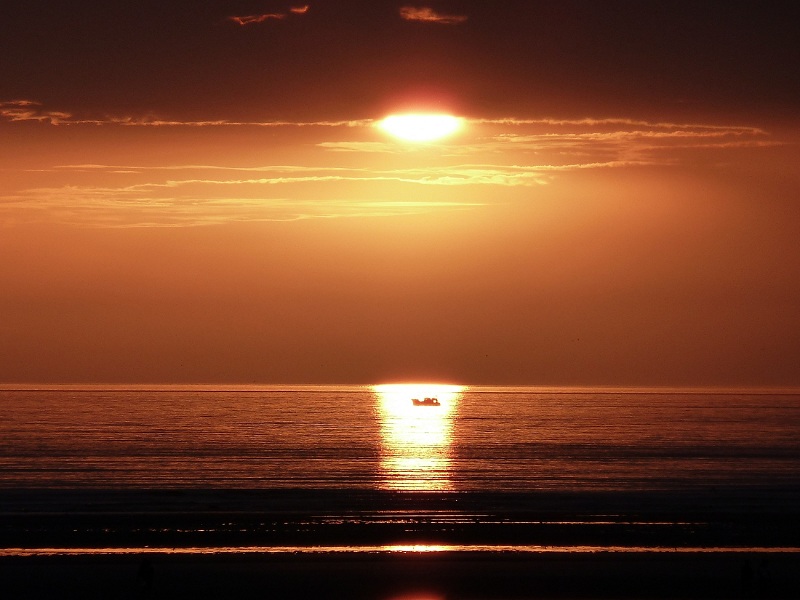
(416, 440)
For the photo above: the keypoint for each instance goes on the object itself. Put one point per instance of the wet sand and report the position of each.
(675, 524)
(170, 518)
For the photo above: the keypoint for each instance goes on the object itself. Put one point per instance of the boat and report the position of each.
(425, 402)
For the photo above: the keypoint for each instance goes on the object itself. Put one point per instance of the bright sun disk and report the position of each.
(421, 127)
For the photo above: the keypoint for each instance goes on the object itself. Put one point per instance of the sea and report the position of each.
(373, 437)
(467, 465)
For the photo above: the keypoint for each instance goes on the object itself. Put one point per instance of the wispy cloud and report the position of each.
(144, 206)
(31, 110)
(251, 19)
(261, 18)
(464, 174)
(428, 15)
(514, 130)
(192, 201)
(615, 123)
(599, 140)
(507, 153)
(454, 175)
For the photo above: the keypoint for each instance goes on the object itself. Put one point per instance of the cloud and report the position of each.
(253, 19)
(250, 19)
(428, 15)
(522, 134)
(190, 195)
(31, 110)
(465, 174)
(593, 141)
(147, 206)
(153, 200)
(488, 155)
(624, 140)
(614, 122)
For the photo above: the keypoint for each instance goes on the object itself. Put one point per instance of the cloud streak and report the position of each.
(618, 129)
(617, 122)
(252, 19)
(31, 110)
(585, 140)
(261, 18)
(144, 206)
(464, 174)
(192, 201)
(428, 15)
(351, 162)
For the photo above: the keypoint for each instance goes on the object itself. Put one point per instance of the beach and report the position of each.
(729, 518)
(346, 494)
(313, 544)
(408, 575)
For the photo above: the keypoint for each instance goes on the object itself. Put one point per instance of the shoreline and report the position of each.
(376, 545)
(270, 518)
(421, 549)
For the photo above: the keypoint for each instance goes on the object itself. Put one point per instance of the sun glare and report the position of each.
(421, 127)
(417, 434)
(405, 391)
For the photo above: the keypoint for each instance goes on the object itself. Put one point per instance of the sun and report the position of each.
(415, 127)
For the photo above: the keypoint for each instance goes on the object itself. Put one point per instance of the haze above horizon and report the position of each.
(190, 193)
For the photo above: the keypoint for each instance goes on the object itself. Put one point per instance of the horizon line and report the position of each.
(475, 387)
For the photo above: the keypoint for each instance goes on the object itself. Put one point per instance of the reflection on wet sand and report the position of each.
(488, 549)
(417, 437)
(417, 596)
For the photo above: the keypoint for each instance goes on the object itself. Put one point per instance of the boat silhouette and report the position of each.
(425, 402)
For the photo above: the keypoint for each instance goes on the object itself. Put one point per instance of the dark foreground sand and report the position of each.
(440, 576)
(727, 519)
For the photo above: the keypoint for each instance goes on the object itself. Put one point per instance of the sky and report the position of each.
(200, 192)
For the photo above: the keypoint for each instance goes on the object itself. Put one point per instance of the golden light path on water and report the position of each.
(399, 549)
(417, 438)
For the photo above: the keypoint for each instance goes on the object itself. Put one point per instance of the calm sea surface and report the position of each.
(475, 439)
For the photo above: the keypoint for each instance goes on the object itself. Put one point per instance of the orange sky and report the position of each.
(195, 193)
